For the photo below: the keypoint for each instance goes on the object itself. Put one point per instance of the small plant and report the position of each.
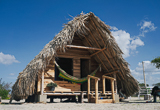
(51, 84)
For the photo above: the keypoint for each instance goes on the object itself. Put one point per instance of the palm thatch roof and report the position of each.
(94, 33)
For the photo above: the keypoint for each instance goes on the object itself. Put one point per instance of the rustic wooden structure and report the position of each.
(83, 44)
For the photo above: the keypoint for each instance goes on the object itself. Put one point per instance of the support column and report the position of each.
(42, 84)
(112, 86)
(88, 87)
(115, 84)
(104, 87)
(96, 91)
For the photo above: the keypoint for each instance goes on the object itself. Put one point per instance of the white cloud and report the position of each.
(125, 42)
(146, 26)
(114, 28)
(129, 44)
(12, 74)
(7, 59)
(151, 73)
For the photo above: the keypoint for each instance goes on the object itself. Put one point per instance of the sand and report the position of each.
(132, 103)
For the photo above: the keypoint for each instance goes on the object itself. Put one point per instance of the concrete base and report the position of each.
(41, 98)
(116, 98)
(147, 97)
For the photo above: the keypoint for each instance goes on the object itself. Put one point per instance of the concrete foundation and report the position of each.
(41, 98)
(147, 97)
(116, 98)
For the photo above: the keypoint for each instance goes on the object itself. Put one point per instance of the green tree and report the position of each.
(156, 62)
(4, 89)
(157, 84)
(143, 85)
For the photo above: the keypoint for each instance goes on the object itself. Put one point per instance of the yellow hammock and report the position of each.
(68, 77)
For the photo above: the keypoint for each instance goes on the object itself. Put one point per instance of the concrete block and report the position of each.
(41, 98)
(147, 97)
(116, 98)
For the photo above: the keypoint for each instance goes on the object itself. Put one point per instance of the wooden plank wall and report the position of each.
(76, 55)
(76, 67)
(99, 74)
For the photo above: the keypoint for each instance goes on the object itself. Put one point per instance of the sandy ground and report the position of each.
(132, 103)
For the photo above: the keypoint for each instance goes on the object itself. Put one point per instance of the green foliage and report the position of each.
(157, 84)
(51, 84)
(143, 85)
(4, 93)
(4, 89)
(156, 62)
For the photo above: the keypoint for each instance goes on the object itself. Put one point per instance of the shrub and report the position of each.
(4, 89)
(51, 85)
(4, 93)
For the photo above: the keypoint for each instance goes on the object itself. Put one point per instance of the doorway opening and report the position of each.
(84, 72)
(66, 64)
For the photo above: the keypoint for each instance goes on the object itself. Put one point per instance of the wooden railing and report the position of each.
(96, 87)
(112, 85)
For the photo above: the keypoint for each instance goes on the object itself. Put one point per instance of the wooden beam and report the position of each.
(111, 72)
(103, 63)
(83, 47)
(97, 55)
(93, 77)
(107, 77)
(104, 44)
(102, 51)
(97, 30)
(97, 52)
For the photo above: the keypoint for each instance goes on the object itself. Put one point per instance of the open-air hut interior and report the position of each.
(84, 44)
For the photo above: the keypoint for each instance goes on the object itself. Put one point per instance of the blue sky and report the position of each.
(27, 25)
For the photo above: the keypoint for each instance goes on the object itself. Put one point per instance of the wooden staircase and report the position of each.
(102, 97)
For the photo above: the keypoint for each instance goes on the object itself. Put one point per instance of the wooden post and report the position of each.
(88, 87)
(104, 88)
(115, 84)
(112, 86)
(42, 85)
(82, 96)
(96, 91)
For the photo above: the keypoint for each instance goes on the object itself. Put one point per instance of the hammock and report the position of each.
(73, 79)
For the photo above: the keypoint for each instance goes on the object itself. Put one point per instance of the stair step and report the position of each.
(105, 101)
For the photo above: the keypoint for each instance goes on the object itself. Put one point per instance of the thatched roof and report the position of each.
(94, 33)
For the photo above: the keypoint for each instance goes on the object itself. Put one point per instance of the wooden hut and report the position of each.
(85, 45)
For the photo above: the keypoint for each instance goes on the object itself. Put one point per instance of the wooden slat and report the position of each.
(107, 77)
(93, 77)
(105, 101)
(73, 56)
(97, 52)
(111, 72)
(83, 47)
